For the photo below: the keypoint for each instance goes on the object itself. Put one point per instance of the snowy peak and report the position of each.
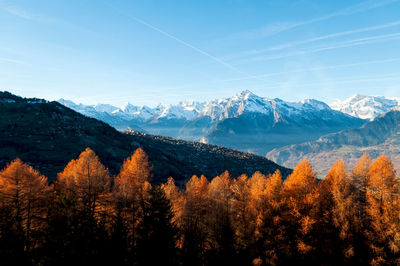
(365, 107)
(244, 102)
(236, 105)
(315, 104)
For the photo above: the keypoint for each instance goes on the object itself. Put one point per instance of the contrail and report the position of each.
(216, 59)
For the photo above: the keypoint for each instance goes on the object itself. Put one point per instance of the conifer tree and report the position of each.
(176, 197)
(241, 215)
(338, 215)
(300, 198)
(130, 193)
(157, 232)
(219, 220)
(83, 191)
(87, 181)
(24, 194)
(271, 231)
(194, 225)
(383, 209)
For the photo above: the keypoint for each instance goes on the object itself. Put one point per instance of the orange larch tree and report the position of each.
(175, 195)
(219, 219)
(194, 226)
(299, 201)
(338, 215)
(241, 215)
(26, 194)
(271, 231)
(130, 191)
(383, 209)
(87, 181)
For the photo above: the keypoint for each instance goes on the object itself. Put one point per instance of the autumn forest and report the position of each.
(89, 217)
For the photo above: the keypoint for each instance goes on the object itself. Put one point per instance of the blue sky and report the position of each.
(150, 52)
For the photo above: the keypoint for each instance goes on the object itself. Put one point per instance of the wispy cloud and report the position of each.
(278, 27)
(16, 11)
(315, 39)
(363, 79)
(350, 43)
(302, 70)
(14, 61)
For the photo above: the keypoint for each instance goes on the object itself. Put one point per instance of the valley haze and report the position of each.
(256, 124)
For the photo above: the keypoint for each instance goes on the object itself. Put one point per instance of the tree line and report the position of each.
(90, 218)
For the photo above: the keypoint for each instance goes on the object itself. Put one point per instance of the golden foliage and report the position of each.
(25, 193)
(383, 210)
(85, 180)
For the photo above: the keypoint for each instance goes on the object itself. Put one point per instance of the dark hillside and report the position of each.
(47, 135)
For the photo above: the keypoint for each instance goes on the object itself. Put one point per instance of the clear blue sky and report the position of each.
(150, 52)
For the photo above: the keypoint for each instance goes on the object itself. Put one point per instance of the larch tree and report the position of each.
(359, 183)
(130, 191)
(338, 215)
(219, 220)
(300, 197)
(383, 208)
(86, 181)
(25, 193)
(271, 232)
(175, 196)
(194, 225)
(241, 215)
(358, 178)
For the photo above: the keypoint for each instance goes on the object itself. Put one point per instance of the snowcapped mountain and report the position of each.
(244, 121)
(256, 124)
(380, 135)
(365, 107)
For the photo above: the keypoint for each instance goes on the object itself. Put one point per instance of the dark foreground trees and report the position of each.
(88, 217)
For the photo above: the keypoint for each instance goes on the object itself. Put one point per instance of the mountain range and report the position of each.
(380, 135)
(245, 121)
(47, 135)
(365, 107)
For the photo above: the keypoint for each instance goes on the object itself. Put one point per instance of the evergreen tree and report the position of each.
(157, 232)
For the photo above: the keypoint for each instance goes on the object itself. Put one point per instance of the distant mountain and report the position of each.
(365, 107)
(245, 121)
(252, 123)
(48, 135)
(381, 135)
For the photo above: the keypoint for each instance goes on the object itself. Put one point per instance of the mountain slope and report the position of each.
(365, 107)
(263, 124)
(381, 135)
(47, 135)
(244, 121)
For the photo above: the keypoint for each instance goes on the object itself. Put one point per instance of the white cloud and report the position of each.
(279, 27)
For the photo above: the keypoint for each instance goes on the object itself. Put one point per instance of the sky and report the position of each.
(151, 52)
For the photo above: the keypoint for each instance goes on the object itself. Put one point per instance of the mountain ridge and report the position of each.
(47, 135)
(220, 121)
(380, 135)
(365, 107)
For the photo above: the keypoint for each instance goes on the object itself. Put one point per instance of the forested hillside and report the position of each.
(47, 135)
(88, 218)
